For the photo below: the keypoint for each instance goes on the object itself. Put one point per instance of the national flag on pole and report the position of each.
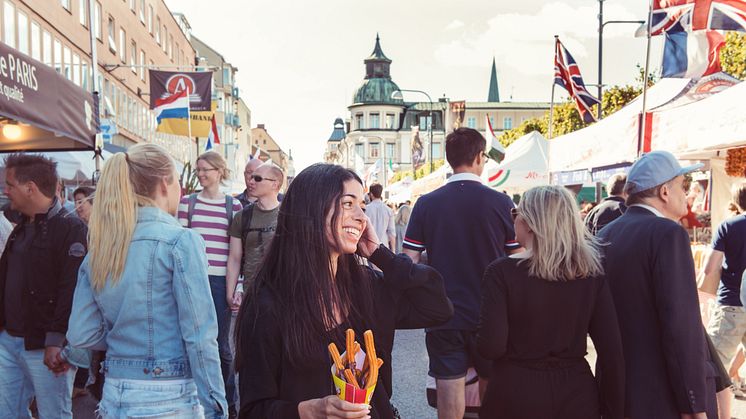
(494, 149)
(175, 106)
(694, 15)
(692, 54)
(214, 131)
(567, 75)
(208, 146)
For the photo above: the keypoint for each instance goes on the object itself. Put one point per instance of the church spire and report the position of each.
(494, 93)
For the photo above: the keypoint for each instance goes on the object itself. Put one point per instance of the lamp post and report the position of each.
(397, 94)
(601, 25)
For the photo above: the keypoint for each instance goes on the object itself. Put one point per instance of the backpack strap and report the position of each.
(192, 201)
(246, 215)
(229, 209)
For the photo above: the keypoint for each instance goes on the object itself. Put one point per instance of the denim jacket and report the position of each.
(158, 321)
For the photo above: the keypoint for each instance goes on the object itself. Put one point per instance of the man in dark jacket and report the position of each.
(611, 207)
(38, 273)
(648, 262)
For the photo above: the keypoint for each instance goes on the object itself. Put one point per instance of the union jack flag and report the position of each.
(567, 75)
(694, 15)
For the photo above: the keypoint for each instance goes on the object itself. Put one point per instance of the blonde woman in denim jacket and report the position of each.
(143, 296)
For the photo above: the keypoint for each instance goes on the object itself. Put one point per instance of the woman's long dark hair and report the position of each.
(296, 268)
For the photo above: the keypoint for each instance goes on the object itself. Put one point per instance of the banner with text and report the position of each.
(197, 84)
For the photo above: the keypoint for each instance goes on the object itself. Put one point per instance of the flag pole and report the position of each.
(643, 123)
(189, 122)
(551, 105)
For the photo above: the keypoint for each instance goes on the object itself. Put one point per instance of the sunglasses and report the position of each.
(514, 213)
(258, 178)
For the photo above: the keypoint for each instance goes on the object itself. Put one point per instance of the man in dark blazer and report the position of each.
(648, 262)
(611, 207)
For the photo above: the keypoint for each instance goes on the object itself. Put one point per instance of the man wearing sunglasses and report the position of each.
(252, 229)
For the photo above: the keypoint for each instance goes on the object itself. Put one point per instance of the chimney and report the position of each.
(260, 126)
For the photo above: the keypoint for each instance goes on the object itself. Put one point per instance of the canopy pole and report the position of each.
(551, 105)
(95, 89)
(643, 122)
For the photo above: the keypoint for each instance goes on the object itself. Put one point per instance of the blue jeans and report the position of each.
(23, 375)
(176, 399)
(218, 290)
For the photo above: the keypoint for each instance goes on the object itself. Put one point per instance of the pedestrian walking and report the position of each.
(210, 213)
(537, 309)
(648, 262)
(381, 217)
(611, 208)
(244, 197)
(84, 202)
(401, 221)
(463, 226)
(143, 295)
(311, 288)
(38, 271)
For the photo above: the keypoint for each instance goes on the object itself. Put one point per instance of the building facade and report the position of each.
(382, 126)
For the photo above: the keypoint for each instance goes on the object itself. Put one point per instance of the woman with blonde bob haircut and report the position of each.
(537, 309)
(143, 296)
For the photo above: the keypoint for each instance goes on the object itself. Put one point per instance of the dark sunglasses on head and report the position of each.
(258, 178)
(514, 213)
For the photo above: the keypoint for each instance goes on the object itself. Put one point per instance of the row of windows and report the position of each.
(471, 122)
(374, 121)
(374, 150)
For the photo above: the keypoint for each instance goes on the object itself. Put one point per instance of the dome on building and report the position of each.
(377, 86)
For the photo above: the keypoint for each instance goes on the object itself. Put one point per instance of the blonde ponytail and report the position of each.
(127, 182)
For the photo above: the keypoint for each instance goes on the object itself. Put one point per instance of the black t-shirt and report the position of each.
(730, 239)
(464, 225)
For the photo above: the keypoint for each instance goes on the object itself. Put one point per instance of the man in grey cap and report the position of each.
(648, 262)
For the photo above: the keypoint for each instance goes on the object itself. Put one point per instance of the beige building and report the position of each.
(243, 133)
(269, 149)
(381, 126)
(130, 35)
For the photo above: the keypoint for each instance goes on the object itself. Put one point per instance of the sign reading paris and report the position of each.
(198, 86)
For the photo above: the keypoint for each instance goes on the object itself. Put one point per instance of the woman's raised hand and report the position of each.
(332, 407)
(369, 240)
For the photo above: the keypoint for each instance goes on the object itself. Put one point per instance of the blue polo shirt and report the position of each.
(464, 226)
(730, 239)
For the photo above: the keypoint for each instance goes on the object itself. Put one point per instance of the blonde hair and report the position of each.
(563, 249)
(216, 160)
(128, 181)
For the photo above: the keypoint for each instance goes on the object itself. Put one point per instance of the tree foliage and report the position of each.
(733, 55)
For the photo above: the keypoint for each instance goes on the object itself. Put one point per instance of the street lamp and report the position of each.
(397, 94)
(601, 25)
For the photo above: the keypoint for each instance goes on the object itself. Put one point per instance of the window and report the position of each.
(424, 123)
(375, 120)
(158, 30)
(84, 76)
(359, 121)
(133, 57)
(471, 122)
(9, 24)
(97, 20)
(390, 119)
(227, 77)
(112, 35)
(142, 11)
(375, 150)
(66, 71)
(360, 150)
(82, 12)
(390, 151)
(23, 32)
(65, 4)
(58, 56)
(35, 41)
(437, 151)
(150, 19)
(46, 48)
(142, 63)
(76, 69)
(171, 47)
(507, 122)
(165, 39)
(133, 5)
(123, 45)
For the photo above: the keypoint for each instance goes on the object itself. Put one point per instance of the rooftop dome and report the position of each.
(377, 86)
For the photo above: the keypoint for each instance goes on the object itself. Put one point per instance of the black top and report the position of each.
(525, 318)
(406, 296)
(464, 226)
(730, 239)
(649, 266)
(607, 211)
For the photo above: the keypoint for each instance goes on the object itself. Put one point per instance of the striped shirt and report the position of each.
(211, 222)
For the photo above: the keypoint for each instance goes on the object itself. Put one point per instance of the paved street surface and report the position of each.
(410, 377)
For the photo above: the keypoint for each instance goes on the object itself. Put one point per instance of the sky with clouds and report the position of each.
(301, 61)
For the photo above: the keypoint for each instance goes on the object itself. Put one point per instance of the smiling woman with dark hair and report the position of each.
(311, 288)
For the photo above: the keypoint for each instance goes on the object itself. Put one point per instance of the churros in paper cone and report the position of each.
(355, 372)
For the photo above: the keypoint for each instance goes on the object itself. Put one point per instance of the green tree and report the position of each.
(617, 97)
(733, 55)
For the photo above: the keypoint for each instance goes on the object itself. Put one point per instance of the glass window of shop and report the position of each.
(66, 60)
(58, 55)
(76, 69)
(9, 24)
(46, 48)
(23, 32)
(35, 41)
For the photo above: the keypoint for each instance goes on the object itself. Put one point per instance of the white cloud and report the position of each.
(456, 24)
(525, 40)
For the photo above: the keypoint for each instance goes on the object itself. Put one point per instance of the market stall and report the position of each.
(526, 165)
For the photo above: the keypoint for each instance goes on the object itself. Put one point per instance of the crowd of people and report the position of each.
(209, 305)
